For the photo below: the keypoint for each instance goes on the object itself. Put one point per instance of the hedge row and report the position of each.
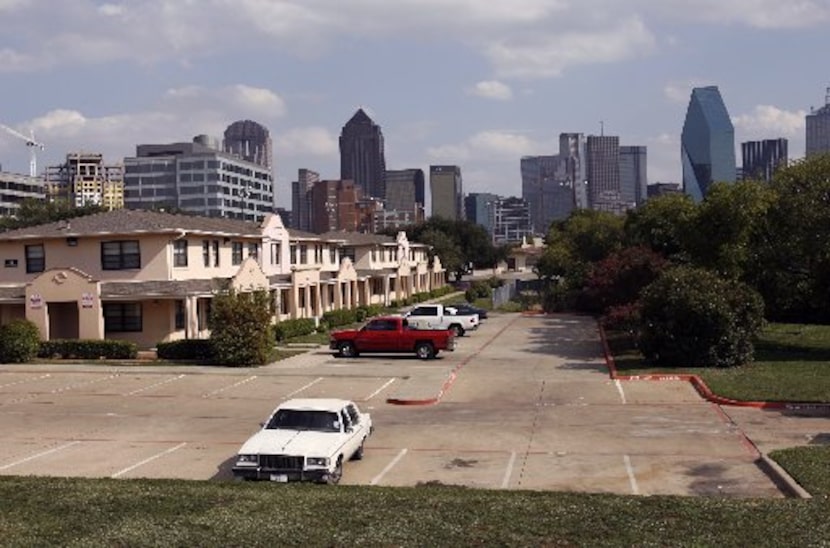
(288, 329)
(185, 349)
(88, 349)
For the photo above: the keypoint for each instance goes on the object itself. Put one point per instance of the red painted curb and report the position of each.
(702, 388)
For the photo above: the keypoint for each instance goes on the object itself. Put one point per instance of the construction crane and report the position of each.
(33, 147)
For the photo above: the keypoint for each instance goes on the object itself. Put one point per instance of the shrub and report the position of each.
(241, 331)
(339, 318)
(19, 341)
(624, 317)
(186, 349)
(692, 317)
(88, 349)
(288, 329)
(478, 290)
(619, 278)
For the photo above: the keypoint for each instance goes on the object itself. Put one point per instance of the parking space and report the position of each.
(529, 406)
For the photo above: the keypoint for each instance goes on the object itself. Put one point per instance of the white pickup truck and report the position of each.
(438, 316)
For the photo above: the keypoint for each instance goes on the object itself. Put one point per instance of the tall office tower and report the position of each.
(14, 188)
(707, 145)
(333, 206)
(478, 208)
(572, 148)
(361, 154)
(301, 198)
(633, 175)
(197, 179)
(818, 128)
(447, 192)
(251, 142)
(511, 221)
(761, 159)
(405, 193)
(84, 179)
(602, 170)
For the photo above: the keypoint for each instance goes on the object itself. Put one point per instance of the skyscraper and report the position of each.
(707, 144)
(478, 208)
(361, 155)
(633, 174)
(603, 172)
(511, 220)
(762, 158)
(818, 128)
(251, 142)
(301, 198)
(405, 192)
(333, 206)
(447, 193)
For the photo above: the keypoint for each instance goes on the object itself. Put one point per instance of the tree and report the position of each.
(692, 317)
(662, 224)
(241, 333)
(459, 243)
(36, 212)
(619, 278)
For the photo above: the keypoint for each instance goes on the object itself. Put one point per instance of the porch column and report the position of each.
(191, 315)
(318, 300)
(386, 289)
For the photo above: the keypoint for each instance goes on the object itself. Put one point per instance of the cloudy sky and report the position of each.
(478, 83)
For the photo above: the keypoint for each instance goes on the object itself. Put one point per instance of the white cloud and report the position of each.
(489, 146)
(764, 14)
(312, 141)
(681, 92)
(768, 122)
(492, 89)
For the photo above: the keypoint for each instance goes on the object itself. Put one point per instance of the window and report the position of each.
(424, 311)
(120, 255)
(293, 251)
(216, 253)
(253, 250)
(180, 314)
(333, 255)
(122, 317)
(35, 258)
(303, 254)
(179, 252)
(206, 252)
(236, 253)
(275, 253)
(318, 254)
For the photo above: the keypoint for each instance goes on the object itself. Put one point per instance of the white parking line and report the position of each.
(84, 383)
(635, 490)
(156, 385)
(41, 454)
(148, 460)
(234, 385)
(32, 379)
(620, 390)
(389, 466)
(509, 472)
(309, 385)
(379, 390)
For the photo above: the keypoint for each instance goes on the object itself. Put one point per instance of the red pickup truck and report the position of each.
(390, 334)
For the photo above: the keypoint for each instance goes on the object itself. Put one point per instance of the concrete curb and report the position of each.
(779, 476)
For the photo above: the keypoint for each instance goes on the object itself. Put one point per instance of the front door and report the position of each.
(63, 320)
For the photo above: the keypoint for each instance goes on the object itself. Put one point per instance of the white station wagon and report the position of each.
(305, 440)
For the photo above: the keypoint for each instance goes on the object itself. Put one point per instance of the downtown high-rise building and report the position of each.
(761, 159)
(511, 221)
(633, 175)
(818, 129)
(602, 172)
(251, 142)
(478, 208)
(446, 191)
(707, 144)
(405, 193)
(333, 206)
(301, 199)
(361, 155)
(84, 179)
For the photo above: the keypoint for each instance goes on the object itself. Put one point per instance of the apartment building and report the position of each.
(149, 277)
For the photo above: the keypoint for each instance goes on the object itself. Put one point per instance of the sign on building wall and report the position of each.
(87, 300)
(35, 300)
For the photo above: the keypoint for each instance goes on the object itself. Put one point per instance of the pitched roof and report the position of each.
(162, 288)
(358, 238)
(126, 222)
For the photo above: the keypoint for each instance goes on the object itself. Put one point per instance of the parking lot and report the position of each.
(524, 403)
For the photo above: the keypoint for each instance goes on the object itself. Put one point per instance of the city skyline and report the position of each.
(103, 77)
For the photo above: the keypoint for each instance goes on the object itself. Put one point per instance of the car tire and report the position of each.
(358, 455)
(457, 330)
(337, 474)
(424, 350)
(347, 350)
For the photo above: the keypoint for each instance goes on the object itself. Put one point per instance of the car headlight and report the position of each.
(247, 459)
(317, 461)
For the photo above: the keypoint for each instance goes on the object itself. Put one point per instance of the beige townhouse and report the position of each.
(148, 276)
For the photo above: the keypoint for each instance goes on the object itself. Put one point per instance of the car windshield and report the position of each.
(295, 419)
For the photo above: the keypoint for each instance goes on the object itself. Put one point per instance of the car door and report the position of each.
(359, 427)
(370, 338)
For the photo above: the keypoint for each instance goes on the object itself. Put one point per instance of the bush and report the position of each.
(339, 318)
(288, 329)
(19, 341)
(186, 349)
(691, 317)
(478, 290)
(624, 317)
(619, 278)
(88, 349)
(241, 331)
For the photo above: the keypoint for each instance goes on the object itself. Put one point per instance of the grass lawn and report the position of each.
(809, 466)
(792, 363)
(104, 512)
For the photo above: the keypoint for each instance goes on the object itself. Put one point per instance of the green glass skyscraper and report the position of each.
(707, 144)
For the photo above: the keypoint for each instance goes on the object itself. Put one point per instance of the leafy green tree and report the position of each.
(457, 243)
(791, 268)
(36, 212)
(729, 222)
(619, 278)
(662, 224)
(241, 333)
(692, 317)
